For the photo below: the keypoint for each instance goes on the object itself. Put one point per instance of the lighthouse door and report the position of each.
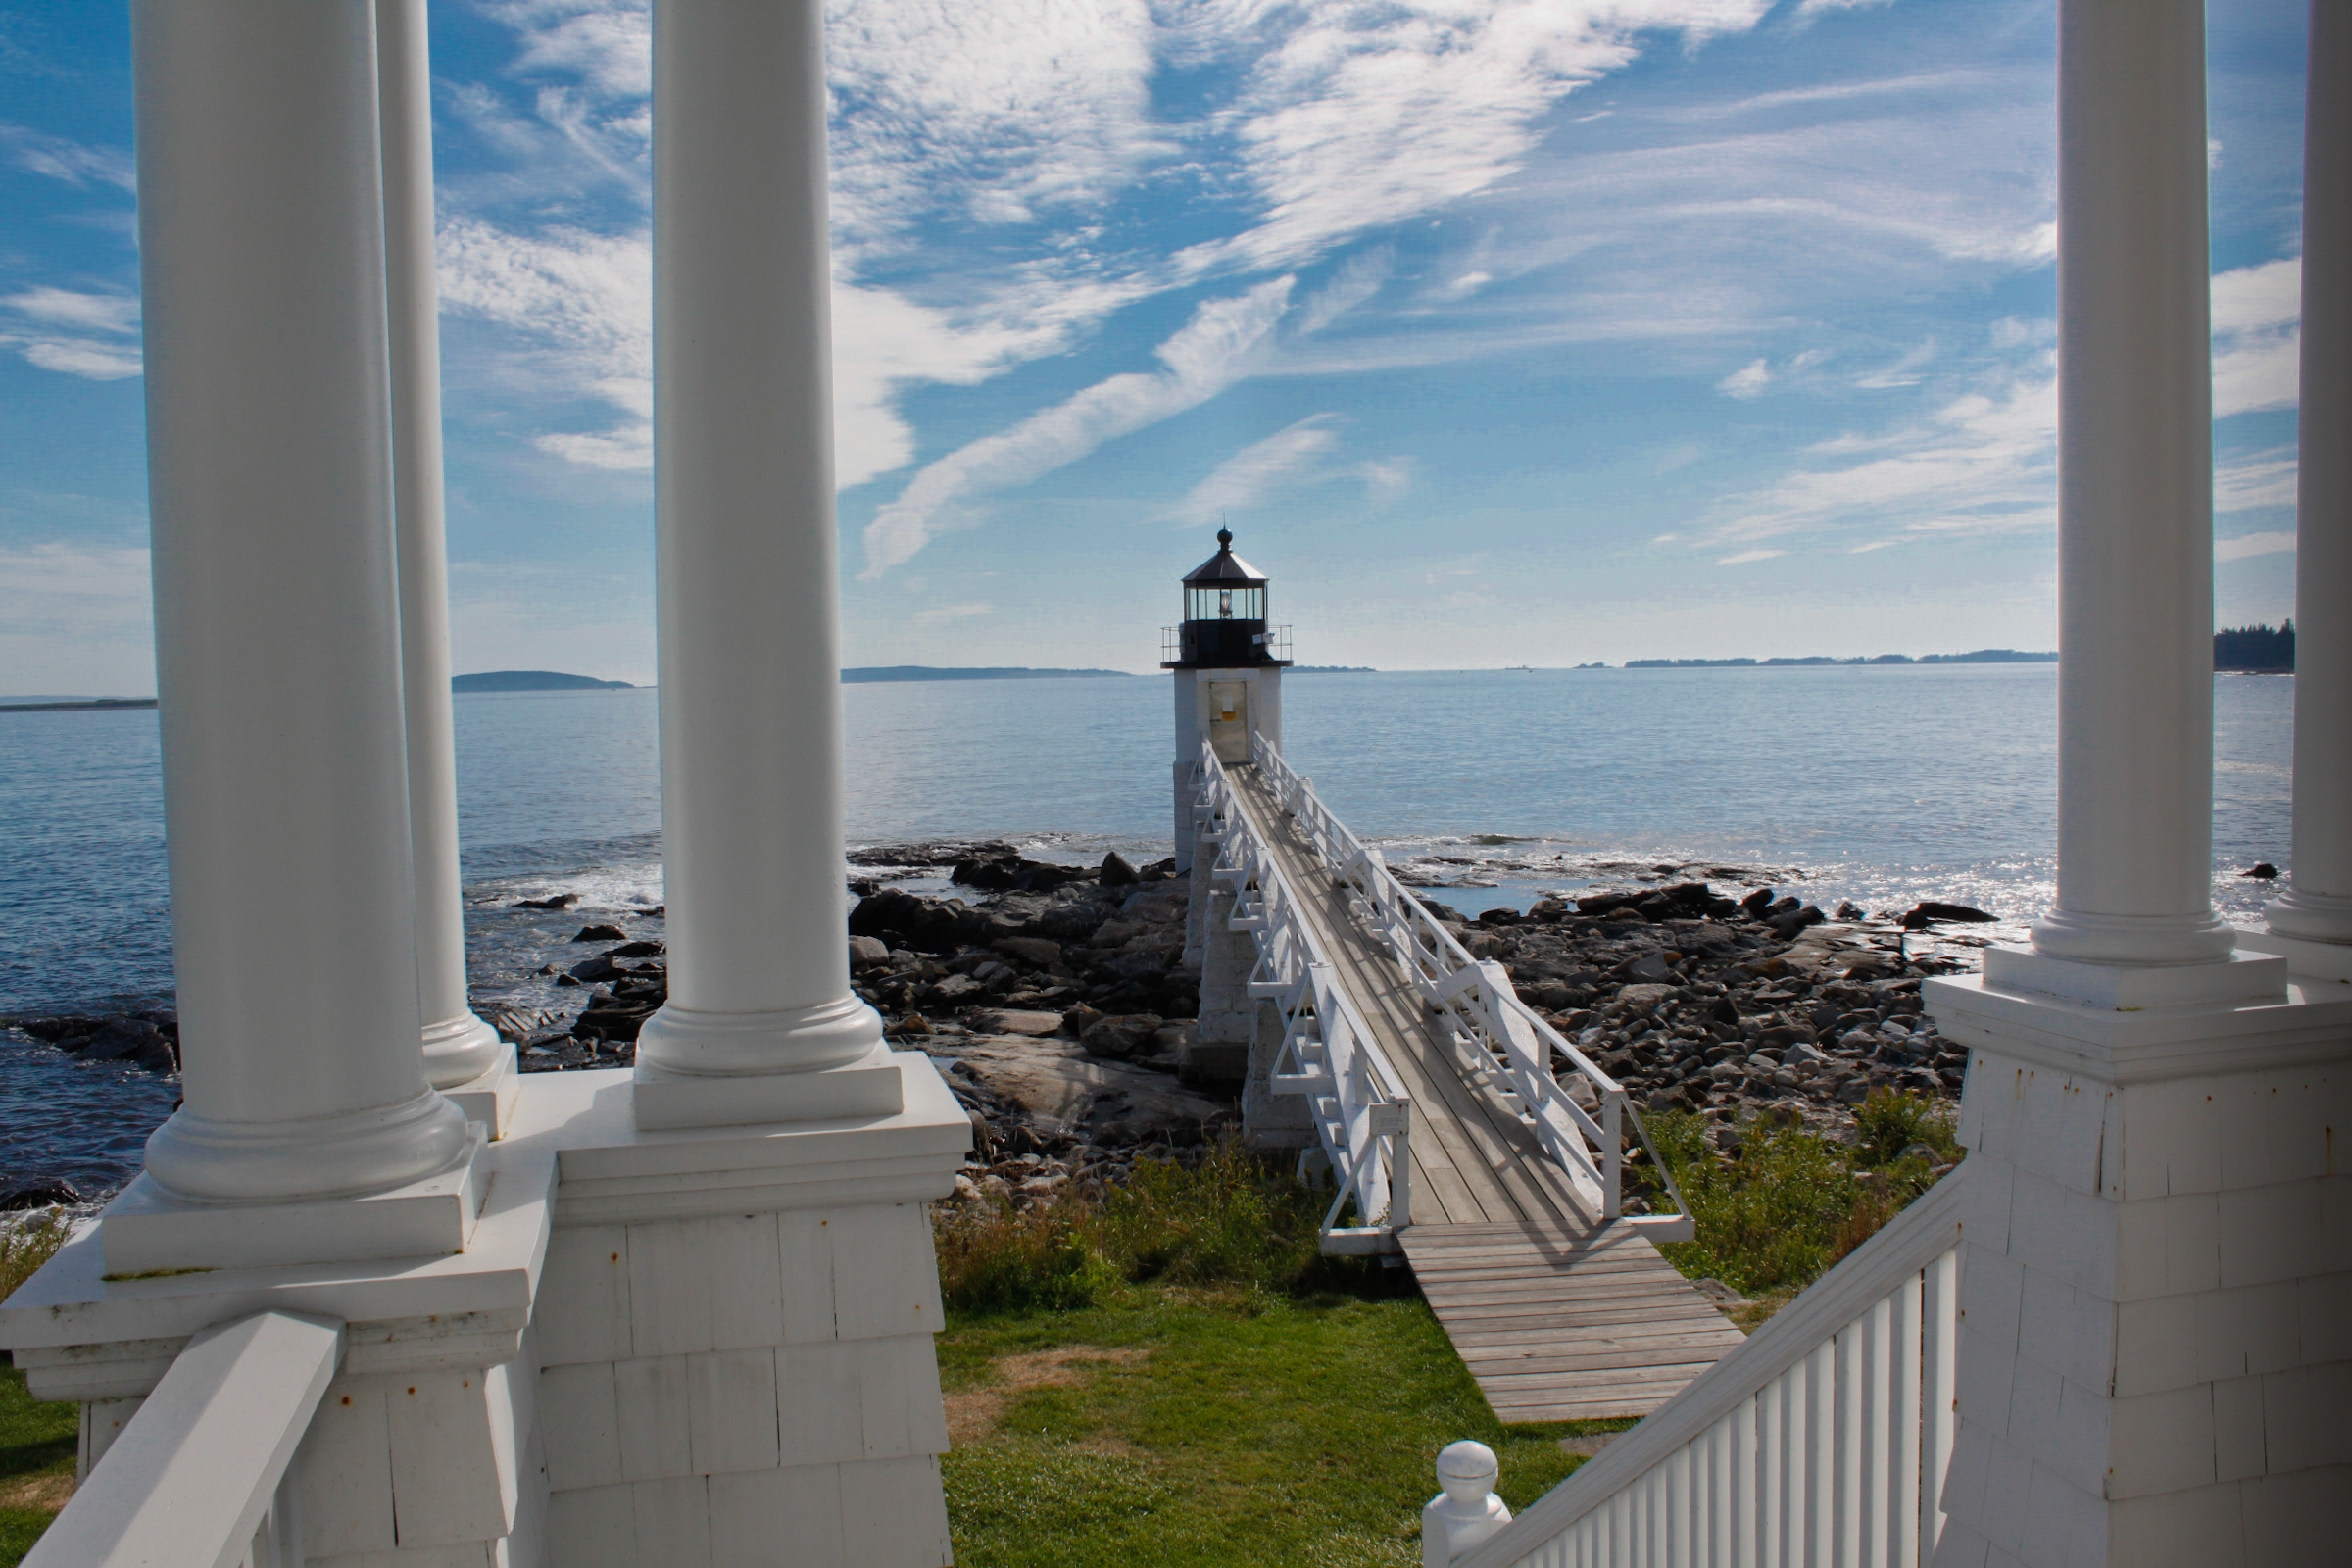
(1229, 719)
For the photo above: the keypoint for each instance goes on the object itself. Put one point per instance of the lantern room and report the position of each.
(1224, 616)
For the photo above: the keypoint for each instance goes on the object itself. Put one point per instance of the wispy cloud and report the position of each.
(966, 612)
(2248, 545)
(1259, 468)
(1903, 371)
(1744, 557)
(92, 335)
(1213, 350)
(1748, 381)
(2256, 337)
(74, 162)
(1982, 463)
(578, 310)
(2255, 479)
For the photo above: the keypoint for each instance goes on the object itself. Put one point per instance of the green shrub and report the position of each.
(25, 1245)
(1231, 1217)
(1890, 1121)
(1793, 1202)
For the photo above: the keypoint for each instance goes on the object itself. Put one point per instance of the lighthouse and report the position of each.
(1228, 662)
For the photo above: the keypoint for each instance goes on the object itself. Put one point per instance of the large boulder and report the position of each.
(1122, 1037)
(1063, 1091)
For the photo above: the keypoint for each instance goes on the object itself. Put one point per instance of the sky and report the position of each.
(1499, 331)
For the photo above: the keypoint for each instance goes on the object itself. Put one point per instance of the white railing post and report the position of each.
(1467, 1511)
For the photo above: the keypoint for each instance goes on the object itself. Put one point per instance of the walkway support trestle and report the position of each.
(1362, 1116)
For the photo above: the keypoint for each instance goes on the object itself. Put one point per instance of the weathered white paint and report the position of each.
(2135, 491)
(148, 1227)
(760, 1009)
(2318, 903)
(459, 1048)
(735, 1340)
(193, 1477)
(277, 621)
(2154, 1279)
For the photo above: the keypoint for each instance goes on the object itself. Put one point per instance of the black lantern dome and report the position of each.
(1224, 616)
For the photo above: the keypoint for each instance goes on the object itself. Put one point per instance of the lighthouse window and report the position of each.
(1225, 604)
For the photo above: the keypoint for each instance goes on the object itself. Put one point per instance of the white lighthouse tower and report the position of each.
(1227, 663)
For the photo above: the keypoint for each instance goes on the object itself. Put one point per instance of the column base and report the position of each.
(2319, 918)
(149, 1230)
(2131, 939)
(2128, 987)
(666, 1099)
(2305, 959)
(489, 1101)
(460, 1051)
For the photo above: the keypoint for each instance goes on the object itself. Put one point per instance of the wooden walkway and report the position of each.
(1558, 1316)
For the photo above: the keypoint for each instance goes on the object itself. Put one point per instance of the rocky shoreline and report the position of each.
(1056, 1000)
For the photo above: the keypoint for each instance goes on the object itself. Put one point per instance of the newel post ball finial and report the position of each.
(1467, 1511)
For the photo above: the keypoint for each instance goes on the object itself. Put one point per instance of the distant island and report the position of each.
(1982, 656)
(1333, 669)
(534, 680)
(855, 677)
(2256, 650)
(63, 704)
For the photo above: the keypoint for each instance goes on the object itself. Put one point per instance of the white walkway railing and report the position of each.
(1501, 1042)
(1362, 1115)
(1821, 1443)
(202, 1477)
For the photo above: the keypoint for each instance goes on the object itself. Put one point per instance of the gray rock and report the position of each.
(868, 952)
(1030, 950)
(1123, 1036)
(1020, 1022)
(1067, 1093)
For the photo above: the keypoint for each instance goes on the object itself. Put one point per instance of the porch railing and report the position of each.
(1501, 1042)
(1821, 1443)
(203, 1475)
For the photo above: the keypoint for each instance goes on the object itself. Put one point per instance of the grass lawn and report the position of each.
(38, 1441)
(1214, 1425)
(36, 1464)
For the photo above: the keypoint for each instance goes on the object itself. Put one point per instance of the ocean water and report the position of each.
(1879, 784)
(1883, 785)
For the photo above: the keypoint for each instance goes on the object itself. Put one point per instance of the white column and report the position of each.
(278, 633)
(761, 1011)
(2136, 491)
(2318, 903)
(459, 1048)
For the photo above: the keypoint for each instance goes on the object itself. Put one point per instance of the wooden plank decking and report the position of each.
(1563, 1323)
(1557, 1316)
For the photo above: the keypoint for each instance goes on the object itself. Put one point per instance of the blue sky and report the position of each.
(1503, 331)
